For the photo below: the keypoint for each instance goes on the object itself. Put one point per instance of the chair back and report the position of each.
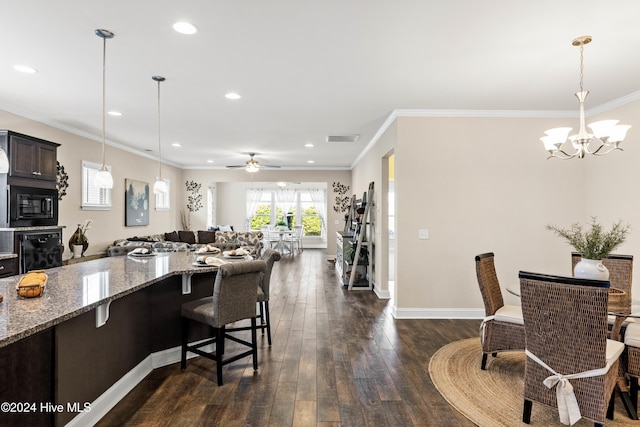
(488, 282)
(269, 256)
(297, 231)
(620, 274)
(565, 322)
(235, 290)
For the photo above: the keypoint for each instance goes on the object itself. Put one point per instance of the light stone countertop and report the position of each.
(75, 289)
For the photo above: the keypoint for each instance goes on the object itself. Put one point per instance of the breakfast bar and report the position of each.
(96, 323)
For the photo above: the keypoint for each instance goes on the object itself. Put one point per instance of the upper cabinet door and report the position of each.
(32, 158)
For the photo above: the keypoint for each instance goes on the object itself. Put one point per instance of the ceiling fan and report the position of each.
(253, 165)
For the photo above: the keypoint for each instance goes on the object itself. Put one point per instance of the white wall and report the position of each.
(484, 184)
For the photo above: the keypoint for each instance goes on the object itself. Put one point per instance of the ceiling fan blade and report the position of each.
(235, 166)
(270, 166)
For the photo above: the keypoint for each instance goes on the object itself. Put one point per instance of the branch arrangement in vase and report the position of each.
(594, 242)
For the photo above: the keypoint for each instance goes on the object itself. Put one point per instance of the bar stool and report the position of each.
(234, 299)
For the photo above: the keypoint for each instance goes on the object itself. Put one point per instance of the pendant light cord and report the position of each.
(159, 144)
(104, 96)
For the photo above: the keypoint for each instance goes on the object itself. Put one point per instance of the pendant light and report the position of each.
(103, 178)
(159, 187)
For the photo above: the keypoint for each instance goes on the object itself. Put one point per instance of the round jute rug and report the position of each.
(493, 398)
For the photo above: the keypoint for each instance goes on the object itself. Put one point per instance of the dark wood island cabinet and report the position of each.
(68, 353)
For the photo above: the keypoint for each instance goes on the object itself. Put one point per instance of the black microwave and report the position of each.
(30, 206)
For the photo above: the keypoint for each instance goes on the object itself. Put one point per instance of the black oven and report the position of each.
(30, 207)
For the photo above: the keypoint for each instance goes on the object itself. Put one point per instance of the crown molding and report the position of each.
(398, 113)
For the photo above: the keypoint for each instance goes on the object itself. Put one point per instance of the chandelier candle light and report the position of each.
(159, 187)
(607, 134)
(103, 177)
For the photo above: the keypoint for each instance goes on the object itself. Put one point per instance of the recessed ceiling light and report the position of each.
(176, 144)
(184, 28)
(232, 95)
(115, 113)
(209, 161)
(25, 69)
(310, 161)
(308, 145)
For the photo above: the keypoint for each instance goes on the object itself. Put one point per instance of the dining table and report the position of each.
(281, 245)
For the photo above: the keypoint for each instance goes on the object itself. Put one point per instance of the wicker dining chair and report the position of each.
(632, 368)
(503, 327)
(620, 277)
(234, 299)
(566, 329)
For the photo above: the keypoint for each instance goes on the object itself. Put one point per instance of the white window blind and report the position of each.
(162, 199)
(94, 198)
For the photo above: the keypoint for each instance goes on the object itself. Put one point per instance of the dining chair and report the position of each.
(632, 368)
(269, 256)
(234, 299)
(620, 277)
(268, 236)
(503, 328)
(567, 347)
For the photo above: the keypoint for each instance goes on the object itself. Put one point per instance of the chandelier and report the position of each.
(607, 134)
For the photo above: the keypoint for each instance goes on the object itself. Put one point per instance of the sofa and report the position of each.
(186, 240)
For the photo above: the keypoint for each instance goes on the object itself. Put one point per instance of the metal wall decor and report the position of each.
(62, 181)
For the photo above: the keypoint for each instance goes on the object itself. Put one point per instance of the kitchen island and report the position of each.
(99, 327)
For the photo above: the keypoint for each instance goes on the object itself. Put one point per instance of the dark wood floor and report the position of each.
(338, 359)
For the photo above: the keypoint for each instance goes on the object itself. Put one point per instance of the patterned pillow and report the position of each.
(226, 236)
(249, 238)
(171, 247)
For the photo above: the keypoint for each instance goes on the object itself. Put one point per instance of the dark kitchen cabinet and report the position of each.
(31, 157)
(8, 267)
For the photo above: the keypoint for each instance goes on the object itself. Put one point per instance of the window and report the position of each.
(94, 198)
(306, 207)
(162, 199)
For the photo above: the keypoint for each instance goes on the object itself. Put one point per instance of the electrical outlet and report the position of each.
(423, 234)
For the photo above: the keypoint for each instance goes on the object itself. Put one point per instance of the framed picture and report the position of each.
(136, 203)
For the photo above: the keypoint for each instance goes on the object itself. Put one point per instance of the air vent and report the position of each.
(342, 138)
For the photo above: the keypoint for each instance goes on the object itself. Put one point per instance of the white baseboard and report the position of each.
(113, 395)
(110, 398)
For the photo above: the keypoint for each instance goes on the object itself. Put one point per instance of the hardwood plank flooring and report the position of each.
(338, 359)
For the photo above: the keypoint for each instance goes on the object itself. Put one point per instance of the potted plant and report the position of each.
(593, 244)
(351, 253)
(282, 225)
(78, 242)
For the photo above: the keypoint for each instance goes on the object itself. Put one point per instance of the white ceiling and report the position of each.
(305, 69)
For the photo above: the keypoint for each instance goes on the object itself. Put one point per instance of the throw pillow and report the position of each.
(206, 236)
(171, 237)
(187, 236)
(225, 227)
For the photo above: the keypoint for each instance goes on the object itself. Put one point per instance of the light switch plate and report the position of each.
(423, 234)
